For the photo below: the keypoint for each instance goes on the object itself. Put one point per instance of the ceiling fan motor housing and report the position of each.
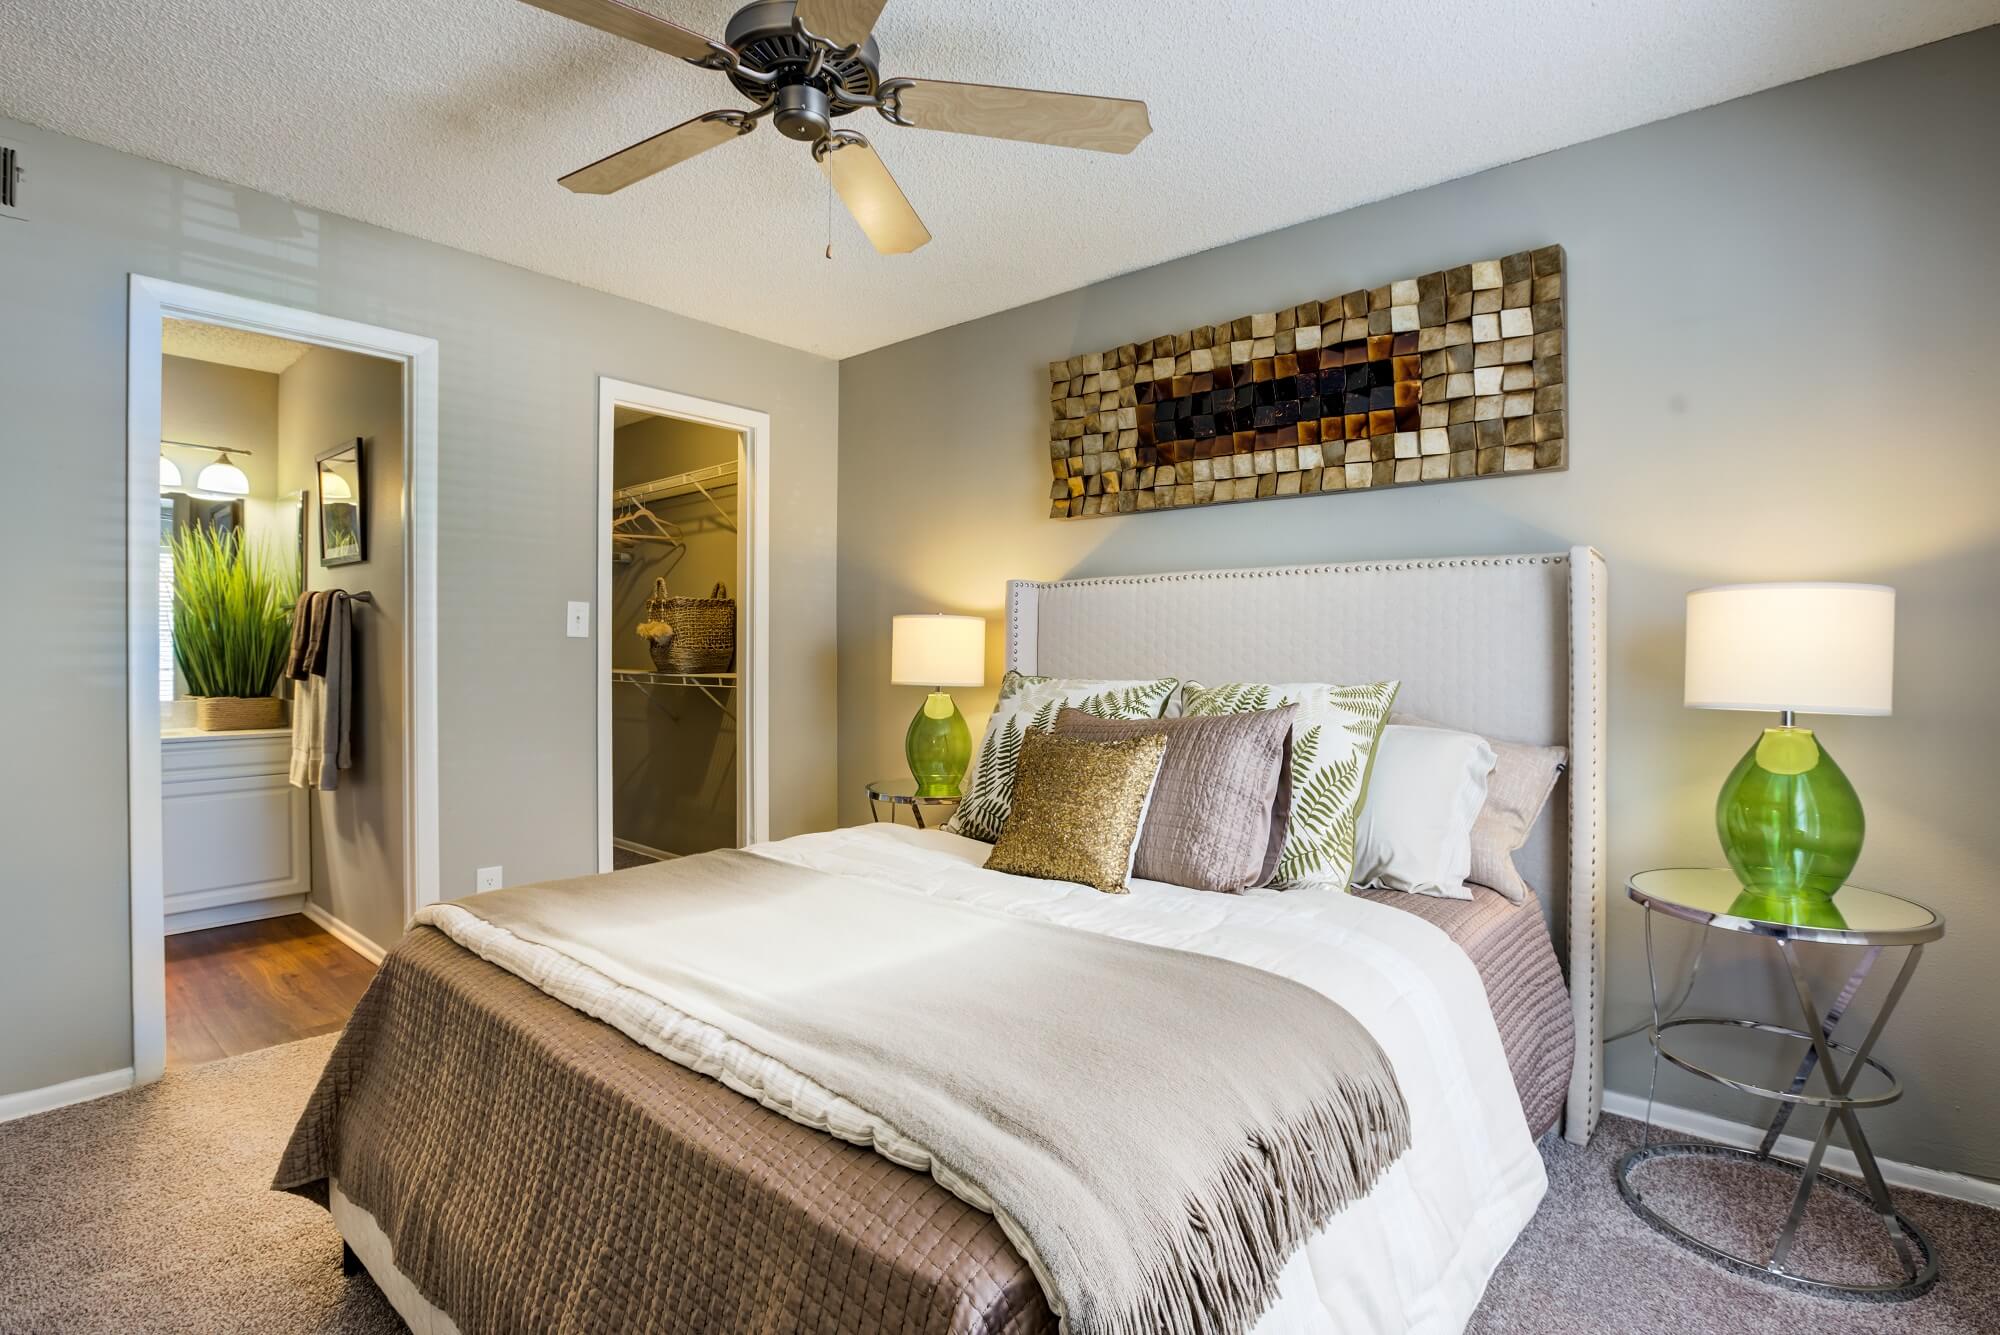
(803, 112)
(764, 40)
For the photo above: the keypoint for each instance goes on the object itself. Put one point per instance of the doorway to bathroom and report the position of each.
(681, 619)
(282, 787)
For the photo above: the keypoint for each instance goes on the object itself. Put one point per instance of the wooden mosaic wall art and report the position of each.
(1457, 374)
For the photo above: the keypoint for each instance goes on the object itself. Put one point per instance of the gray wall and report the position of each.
(325, 399)
(1783, 342)
(520, 355)
(673, 749)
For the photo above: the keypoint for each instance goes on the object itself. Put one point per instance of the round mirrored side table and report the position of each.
(1864, 920)
(888, 796)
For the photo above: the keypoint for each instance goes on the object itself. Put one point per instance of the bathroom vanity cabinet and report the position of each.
(234, 832)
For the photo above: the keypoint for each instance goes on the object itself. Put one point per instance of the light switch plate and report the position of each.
(486, 878)
(579, 621)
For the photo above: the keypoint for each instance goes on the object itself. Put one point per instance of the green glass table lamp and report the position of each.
(937, 651)
(1789, 820)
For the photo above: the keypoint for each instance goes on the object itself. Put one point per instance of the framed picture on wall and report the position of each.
(343, 506)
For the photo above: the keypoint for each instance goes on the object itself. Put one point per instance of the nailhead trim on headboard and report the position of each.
(1588, 851)
(1259, 572)
(1262, 572)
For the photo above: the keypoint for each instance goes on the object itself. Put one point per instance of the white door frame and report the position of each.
(753, 568)
(153, 300)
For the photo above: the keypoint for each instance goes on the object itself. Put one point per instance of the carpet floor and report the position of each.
(150, 1211)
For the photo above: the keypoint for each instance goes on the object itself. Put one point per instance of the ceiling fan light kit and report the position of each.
(806, 63)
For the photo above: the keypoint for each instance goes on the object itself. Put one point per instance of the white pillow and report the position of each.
(1415, 831)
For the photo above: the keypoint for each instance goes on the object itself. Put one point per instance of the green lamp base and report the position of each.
(939, 746)
(1789, 820)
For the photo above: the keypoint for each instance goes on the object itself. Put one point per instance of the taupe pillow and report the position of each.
(1077, 809)
(1516, 791)
(1217, 819)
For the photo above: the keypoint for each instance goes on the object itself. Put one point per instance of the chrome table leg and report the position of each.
(1841, 1083)
(1811, 1059)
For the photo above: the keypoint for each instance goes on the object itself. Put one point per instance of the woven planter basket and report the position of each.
(231, 713)
(704, 630)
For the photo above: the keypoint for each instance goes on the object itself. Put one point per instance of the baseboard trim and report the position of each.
(344, 934)
(228, 915)
(1840, 1159)
(644, 850)
(31, 1101)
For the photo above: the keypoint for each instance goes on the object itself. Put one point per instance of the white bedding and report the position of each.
(1414, 1256)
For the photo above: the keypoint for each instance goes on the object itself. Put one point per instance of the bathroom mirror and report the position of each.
(343, 527)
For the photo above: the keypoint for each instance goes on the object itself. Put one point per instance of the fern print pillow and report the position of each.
(1031, 704)
(1333, 748)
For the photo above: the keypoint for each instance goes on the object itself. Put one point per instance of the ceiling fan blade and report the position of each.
(634, 25)
(649, 156)
(1068, 120)
(842, 22)
(874, 198)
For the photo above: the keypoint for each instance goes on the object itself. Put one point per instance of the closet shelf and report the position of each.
(647, 677)
(678, 484)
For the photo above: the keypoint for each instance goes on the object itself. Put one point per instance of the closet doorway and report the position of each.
(681, 625)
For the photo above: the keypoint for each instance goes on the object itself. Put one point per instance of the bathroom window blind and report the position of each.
(166, 599)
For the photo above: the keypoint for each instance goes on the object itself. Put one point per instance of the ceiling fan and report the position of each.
(806, 63)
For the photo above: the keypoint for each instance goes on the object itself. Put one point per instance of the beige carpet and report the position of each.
(149, 1211)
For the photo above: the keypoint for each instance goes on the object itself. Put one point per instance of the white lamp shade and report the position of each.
(223, 478)
(170, 473)
(937, 651)
(333, 487)
(1813, 648)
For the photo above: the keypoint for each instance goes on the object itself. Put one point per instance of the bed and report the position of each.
(465, 1109)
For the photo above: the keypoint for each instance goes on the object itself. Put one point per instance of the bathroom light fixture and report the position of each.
(220, 478)
(170, 473)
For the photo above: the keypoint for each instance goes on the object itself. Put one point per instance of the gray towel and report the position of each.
(323, 701)
(298, 663)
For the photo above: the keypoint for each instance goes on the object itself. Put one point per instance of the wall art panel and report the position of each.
(1454, 375)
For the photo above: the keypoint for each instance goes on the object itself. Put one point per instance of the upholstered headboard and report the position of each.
(1509, 646)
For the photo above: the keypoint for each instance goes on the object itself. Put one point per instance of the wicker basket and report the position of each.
(233, 713)
(704, 630)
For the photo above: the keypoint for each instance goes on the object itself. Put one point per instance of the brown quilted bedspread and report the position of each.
(535, 1169)
(1509, 944)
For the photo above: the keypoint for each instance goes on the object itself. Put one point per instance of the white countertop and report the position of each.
(194, 734)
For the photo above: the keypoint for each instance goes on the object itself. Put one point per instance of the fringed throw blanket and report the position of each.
(1157, 1131)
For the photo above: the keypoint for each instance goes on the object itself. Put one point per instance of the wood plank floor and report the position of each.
(232, 990)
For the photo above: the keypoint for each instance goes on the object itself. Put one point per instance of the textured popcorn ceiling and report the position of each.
(229, 347)
(451, 119)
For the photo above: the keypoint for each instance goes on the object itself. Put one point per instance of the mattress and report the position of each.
(1414, 1255)
(1509, 945)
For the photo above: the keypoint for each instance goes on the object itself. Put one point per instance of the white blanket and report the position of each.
(1415, 1255)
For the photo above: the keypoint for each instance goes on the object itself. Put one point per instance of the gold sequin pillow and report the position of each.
(1078, 806)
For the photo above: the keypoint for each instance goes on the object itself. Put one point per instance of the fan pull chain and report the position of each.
(829, 214)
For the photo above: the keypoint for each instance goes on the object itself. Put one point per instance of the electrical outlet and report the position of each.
(486, 878)
(579, 621)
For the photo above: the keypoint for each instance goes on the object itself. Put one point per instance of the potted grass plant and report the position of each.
(232, 628)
